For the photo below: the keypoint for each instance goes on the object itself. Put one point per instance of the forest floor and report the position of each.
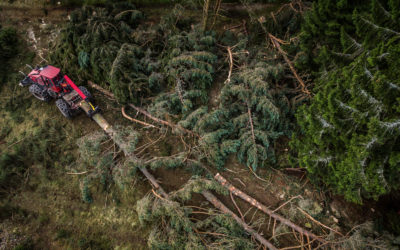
(49, 207)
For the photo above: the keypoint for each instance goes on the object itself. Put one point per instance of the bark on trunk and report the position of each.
(218, 204)
(263, 208)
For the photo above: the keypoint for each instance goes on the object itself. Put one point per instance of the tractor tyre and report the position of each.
(86, 93)
(39, 92)
(64, 108)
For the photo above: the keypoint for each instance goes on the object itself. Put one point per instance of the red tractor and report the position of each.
(47, 83)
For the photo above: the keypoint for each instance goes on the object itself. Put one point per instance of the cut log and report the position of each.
(104, 91)
(263, 208)
(218, 204)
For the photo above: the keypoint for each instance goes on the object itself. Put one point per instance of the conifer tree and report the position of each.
(189, 68)
(99, 44)
(351, 128)
(250, 117)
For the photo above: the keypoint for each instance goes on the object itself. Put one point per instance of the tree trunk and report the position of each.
(263, 208)
(218, 204)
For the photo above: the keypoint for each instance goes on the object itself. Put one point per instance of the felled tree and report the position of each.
(252, 114)
(352, 127)
(189, 68)
(100, 164)
(174, 226)
(99, 44)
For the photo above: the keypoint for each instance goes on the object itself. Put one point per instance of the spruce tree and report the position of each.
(351, 127)
(251, 115)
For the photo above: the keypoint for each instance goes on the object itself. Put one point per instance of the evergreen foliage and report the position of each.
(98, 44)
(173, 229)
(101, 165)
(250, 117)
(351, 128)
(189, 68)
(322, 30)
(114, 48)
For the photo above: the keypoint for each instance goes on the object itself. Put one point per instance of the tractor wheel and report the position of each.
(39, 92)
(86, 93)
(64, 108)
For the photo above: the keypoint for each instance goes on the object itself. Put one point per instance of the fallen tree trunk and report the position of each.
(218, 204)
(104, 91)
(99, 119)
(263, 208)
(142, 111)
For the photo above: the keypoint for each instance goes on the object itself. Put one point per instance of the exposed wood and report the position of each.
(213, 200)
(263, 208)
(206, 6)
(276, 42)
(135, 120)
(104, 91)
(228, 80)
(84, 172)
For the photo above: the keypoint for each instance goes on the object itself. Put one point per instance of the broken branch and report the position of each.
(148, 115)
(276, 42)
(134, 120)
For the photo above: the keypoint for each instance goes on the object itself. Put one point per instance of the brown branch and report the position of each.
(263, 208)
(213, 200)
(319, 223)
(258, 177)
(84, 172)
(251, 124)
(228, 80)
(134, 120)
(284, 204)
(237, 208)
(276, 42)
(174, 126)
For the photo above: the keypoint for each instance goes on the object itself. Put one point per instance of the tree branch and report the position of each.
(134, 120)
(251, 124)
(276, 42)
